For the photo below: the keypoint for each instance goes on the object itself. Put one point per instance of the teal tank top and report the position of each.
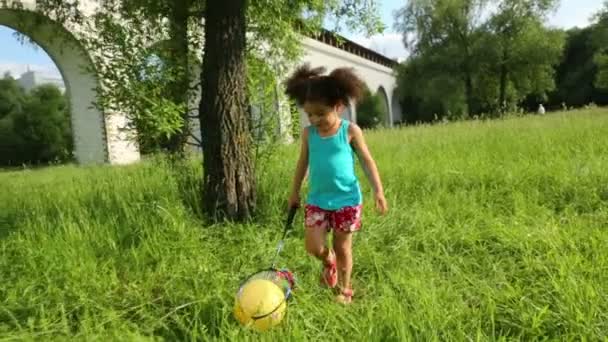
(333, 183)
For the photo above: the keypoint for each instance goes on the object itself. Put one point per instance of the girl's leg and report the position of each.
(316, 246)
(316, 243)
(346, 221)
(343, 246)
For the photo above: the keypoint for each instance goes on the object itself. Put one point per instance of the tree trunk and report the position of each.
(467, 76)
(503, 81)
(179, 85)
(229, 180)
(468, 92)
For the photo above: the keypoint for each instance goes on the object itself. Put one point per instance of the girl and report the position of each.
(334, 199)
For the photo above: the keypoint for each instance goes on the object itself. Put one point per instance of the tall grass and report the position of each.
(496, 230)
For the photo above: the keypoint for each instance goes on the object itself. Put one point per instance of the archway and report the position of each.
(386, 114)
(396, 108)
(73, 62)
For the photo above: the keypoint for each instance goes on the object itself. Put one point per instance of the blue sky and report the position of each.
(17, 58)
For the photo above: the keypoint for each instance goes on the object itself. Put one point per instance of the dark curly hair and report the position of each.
(310, 85)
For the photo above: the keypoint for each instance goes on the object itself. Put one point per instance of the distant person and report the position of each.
(328, 151)
(541, 109)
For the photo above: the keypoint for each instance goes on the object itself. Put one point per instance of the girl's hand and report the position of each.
(369, 165)
(381, 204)
(294, 200)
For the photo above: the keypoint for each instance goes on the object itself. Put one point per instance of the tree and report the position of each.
(184, 22)
(601, 81)
(44, 126)
(12, 101)
(153, 45)
(122, 37)
(125, 29)
(525, 50)
(371, 110)
(579, 76)
(37, 128)
(601, 41)
(229, 187)
(12, 96)
(229, 181)
(461, 62)
(446, 33)
(274, 27)
(576, 73)
(427, 92)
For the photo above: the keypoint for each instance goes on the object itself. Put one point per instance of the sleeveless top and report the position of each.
(333, 183)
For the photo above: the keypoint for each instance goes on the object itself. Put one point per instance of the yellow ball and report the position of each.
(260, 297)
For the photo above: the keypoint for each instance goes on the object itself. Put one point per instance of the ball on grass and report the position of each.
(260, 304)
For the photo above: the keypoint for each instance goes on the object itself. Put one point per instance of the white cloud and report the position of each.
(569, 17)
(17, 69)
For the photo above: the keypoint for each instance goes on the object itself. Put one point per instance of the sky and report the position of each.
(17, 58)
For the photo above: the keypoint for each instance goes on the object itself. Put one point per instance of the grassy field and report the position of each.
(496, 230)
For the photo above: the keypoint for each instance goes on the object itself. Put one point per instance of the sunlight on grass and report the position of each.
(496, 229)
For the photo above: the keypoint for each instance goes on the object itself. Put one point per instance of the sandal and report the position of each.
(346, 296)
(329, 275)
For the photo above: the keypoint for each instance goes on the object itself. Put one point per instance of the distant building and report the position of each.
(31, 79)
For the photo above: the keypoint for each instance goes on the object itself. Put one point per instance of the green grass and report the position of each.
(496, 230)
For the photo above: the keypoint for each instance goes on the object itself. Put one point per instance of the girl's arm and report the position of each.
(301, 171)
(369, 166)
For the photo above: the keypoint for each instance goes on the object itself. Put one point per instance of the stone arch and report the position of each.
(396, 107)
(386, 115)
(73, 62)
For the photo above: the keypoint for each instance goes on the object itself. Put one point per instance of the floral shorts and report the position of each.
(347, 219)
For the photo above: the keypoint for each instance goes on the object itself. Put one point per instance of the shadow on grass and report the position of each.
(189, 178)
(8, 224)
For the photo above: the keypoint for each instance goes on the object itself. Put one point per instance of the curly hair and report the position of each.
(342, 85)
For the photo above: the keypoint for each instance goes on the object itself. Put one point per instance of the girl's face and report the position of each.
(321, 115)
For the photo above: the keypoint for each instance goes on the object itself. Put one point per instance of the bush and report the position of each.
(36, 128)
(370, 111)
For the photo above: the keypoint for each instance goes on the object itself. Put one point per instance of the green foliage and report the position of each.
(279, 23)
(263, 93)
(34, 127)
(158, 120)
(462, 65)
(147, 76)
(600, 40)
(601, 81)
(274, 45)
(497, 231)
(580, 73)
(427, 93)
(529, 66)
(12, 97)
(132, 31)
(445, 36)
(123, 36)
(371, 111)
(576, 73)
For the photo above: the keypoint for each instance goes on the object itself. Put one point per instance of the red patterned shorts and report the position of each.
(347, 219)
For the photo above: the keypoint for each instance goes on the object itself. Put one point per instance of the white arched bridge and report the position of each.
(99, 135)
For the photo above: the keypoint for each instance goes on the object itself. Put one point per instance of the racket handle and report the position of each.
(291, 215)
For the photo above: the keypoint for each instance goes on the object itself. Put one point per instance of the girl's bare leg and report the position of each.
(343, 247)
